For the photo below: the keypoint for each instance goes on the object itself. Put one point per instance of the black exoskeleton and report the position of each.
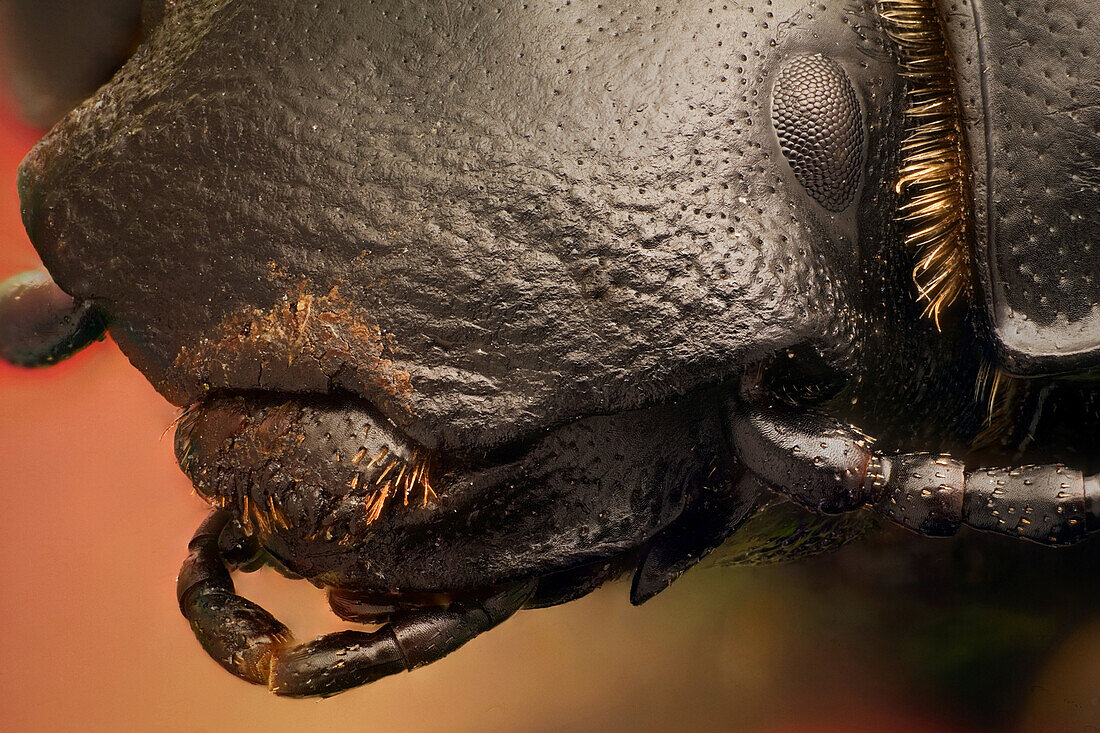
(473, 307)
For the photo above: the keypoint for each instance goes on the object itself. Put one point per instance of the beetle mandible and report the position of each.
(472, 308)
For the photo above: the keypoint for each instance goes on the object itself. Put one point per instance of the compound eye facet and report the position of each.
(817, 117)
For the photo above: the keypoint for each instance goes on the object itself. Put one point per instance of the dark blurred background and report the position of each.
(891, 633)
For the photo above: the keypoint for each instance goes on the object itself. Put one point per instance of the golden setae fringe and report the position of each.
(934, 180)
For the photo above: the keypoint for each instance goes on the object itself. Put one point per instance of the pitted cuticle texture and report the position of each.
(817, 117)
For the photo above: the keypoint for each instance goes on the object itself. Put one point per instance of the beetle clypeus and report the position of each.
(474, 307)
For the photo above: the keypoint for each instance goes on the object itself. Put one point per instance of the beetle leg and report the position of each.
(829, 467)
(252, 644)
(237, 633)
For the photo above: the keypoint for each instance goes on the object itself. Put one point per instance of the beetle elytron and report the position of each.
(474, 306)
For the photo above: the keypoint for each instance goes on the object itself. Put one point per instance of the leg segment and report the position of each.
(412, 639)
(829, 467)
(235, 632)
(252, 644)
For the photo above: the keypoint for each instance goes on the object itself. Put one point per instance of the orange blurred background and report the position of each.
(95, 521)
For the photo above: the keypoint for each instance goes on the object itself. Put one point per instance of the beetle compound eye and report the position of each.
(817, 117)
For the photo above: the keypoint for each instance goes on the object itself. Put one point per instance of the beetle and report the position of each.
(472, 308)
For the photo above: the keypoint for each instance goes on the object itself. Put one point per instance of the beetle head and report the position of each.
(473, 230)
